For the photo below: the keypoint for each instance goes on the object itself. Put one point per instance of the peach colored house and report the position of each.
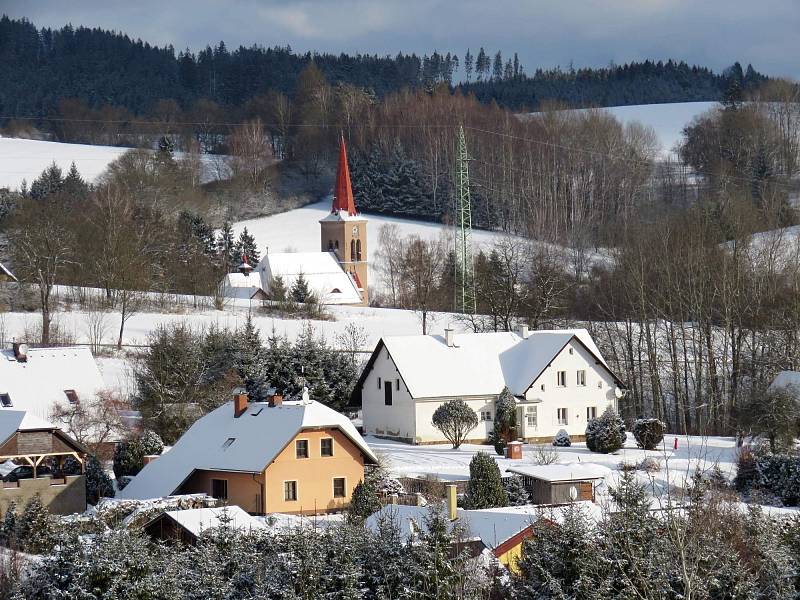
(297, 457)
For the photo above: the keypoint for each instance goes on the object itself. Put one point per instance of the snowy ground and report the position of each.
(676, 465)
(26, 159)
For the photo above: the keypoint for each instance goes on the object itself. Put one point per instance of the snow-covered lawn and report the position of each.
(677, 466)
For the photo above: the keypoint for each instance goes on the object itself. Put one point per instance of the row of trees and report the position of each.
(710, 548)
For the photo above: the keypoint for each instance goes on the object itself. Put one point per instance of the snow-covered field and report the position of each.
(677, 466)
(26, 159)
(22, 159)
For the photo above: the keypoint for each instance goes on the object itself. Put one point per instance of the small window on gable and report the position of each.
(336, 291)
(72, 396)
(228, 443)
(326, 447)
(301, 448)
(5, 401)
(330, 244)
(379, 383)
(571, 351)
(562, 378)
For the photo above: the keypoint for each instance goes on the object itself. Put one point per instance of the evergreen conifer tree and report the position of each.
(505, 419)
(74, 186)
(50, 182)
(246, 246)
(364, 501)
(606, 434)
(98, 483)
(300, 291)
(277, 289)
(35, 527)
(226, 248)
(515, 491)
(485, 488)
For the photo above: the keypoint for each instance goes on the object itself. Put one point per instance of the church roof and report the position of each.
(323, 273)
(343, 201)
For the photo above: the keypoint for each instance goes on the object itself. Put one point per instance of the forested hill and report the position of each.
(39, 67)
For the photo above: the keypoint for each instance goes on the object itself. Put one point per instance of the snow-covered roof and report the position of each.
(341, 215)
(786, 379)
(492, 528)
(4, 270)
(219, 441)
(197, 520)
(568, 472)
(323, 273)
(12, 421)
(239, 285)
(478, 363)
(40, 382)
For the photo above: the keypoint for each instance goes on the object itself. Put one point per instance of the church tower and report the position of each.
(344, 231)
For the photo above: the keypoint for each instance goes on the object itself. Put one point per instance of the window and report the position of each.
(219, 489)
(398, 385)
(563, 418)
(5, 400)
(336, 244)
(330, 244)
(379, 383)
(228, 443)
(326, 447)
(352, 250)
(339, 487)
(72, 396)
(591, 413)
(542, 387)
(301, 448)
(562, 378)
(290, 491)
(387, 394)
(582, 378)
(486, 415)
(570, 351)
(531, 417)
(358, 250)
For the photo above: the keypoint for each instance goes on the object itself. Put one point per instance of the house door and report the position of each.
(387, 391)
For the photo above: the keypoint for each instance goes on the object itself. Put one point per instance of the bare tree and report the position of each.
(389, 258)
(91, 421)
(250, 154)
(421, 268)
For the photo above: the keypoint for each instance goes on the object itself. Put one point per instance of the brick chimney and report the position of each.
(239, 404)
(275, 400)
(150, 458)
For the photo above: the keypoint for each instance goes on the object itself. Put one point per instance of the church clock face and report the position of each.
(355, 231)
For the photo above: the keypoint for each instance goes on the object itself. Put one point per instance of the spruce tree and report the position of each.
(35, 532)
(515, 491)
(226, 248)
(246, 246)
(485, 488)
(300, 291)
(505, 419)
(277, 289)
(364, 501)
(50, 182)
(8, 528)
(74, 186)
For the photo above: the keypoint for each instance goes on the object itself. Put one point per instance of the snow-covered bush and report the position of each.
(505, 419)
(455, 420)
(649, 433)
(650, 464)
(515, 491)
(364, 501)
(606, 434)
(98, 483)
(129, 456)
(775, 474)
(562, 439)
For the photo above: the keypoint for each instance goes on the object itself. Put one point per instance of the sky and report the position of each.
(545, 33)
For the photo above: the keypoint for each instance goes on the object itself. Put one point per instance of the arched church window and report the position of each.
(336, 244)
(330, 244)
(352, 250)
(358, 250)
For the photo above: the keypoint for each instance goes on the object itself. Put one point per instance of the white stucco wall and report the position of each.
(598, 392)
(425, 407)
(396, 420)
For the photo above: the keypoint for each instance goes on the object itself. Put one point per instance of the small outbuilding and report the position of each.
(561, 484)
(186, 526)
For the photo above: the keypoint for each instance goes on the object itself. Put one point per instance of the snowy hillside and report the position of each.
(668, 120)
(26, 159)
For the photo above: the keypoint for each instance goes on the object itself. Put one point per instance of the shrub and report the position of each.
(515, 491)
(649, 433)
(98, 483)
(364, 502)
(505, 419)
(606, 434)
(776, 474)
(129, 456)
(649, 464)
(485, 488)
(542, 454)
(455, 420)
(562, 439)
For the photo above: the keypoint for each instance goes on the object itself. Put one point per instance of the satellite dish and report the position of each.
(573, 493)
(619, 392)
(23, 349)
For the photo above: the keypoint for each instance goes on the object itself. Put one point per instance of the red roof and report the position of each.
(343, 192)
(357, 280)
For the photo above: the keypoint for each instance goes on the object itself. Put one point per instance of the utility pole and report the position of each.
(465, 267)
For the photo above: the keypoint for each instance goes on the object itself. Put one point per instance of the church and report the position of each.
(335, 275)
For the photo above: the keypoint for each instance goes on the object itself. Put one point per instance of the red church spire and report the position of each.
(343, 193)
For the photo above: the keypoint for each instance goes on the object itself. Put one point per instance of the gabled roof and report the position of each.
(492, 528)
(4, 270)
(198, 520)
(239, 285)
(478, 363)
(12, 421)
(35, 385)
(321, 270)
(220, 442)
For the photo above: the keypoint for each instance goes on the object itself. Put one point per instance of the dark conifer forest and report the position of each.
(99, 68)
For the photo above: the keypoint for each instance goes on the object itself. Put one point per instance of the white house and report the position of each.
(559, 379)
(37, 379)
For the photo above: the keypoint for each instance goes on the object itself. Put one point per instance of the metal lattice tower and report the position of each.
(465, 268)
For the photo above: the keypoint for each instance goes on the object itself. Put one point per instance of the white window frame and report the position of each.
(296, 490)
(333, 487)
(565, 412)
(593, 416)
(532, 411)
(561, 378)
(580, 378)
